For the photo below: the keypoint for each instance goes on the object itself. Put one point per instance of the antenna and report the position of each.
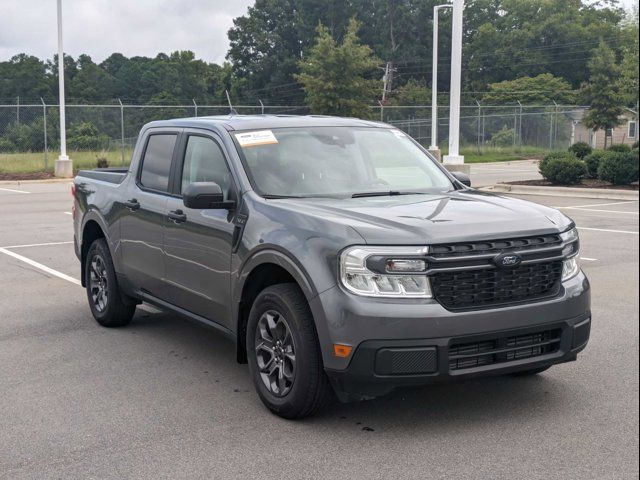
(232, 110)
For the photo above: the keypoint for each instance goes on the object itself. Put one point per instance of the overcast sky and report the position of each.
(130, 27)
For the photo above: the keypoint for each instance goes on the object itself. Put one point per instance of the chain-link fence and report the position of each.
(29, 134)
(543, 127)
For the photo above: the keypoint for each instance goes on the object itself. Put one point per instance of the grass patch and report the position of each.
(497, 154)
(34, 162)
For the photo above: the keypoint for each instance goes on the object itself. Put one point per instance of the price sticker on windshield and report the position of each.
(254, 139)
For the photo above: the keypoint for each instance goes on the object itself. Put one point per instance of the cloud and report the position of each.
(131, 27)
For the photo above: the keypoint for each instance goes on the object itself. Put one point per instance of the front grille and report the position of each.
(495, 246)
(504, 349)
(490, 287)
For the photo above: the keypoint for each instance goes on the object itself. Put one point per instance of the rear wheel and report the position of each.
(284, 355)
(108, 305)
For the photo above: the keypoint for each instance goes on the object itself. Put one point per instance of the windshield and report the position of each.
(337, 161)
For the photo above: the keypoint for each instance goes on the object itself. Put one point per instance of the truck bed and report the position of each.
(110, 175)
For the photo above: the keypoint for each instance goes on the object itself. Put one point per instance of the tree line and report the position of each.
(331, 55)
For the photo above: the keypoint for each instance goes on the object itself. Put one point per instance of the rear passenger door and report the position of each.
(198, 243)
(143, 213)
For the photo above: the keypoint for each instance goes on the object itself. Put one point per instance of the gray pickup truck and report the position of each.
(337, 254)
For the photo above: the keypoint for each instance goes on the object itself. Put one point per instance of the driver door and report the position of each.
(198, 243)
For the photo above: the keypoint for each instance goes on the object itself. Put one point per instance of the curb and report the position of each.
(575, 192)
(28, 182)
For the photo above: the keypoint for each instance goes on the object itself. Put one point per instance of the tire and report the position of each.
(296, 388)
(530, 373)
(108, 305)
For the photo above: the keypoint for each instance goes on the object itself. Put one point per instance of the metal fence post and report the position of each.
(122, 128)
(515, 127)
(44, 121)
(18, 110)
(550, 130)
(520, 125)
(195, 106)
(261, 107)
(478, 122)
(555, 132)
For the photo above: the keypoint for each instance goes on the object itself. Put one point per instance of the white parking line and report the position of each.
(608, 230)
(599, 204)
(595, 210)
(37, 245)
(40, 266)
(12, 190)
(67, 213)
(587, 259)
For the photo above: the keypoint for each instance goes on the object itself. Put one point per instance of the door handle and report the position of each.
(178, 216)
(132, 204)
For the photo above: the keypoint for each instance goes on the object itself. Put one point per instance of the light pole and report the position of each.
(434, 84)
(64, 166)
(454, 157)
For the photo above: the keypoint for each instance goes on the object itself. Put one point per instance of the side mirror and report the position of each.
(205, 195)
(463, 178)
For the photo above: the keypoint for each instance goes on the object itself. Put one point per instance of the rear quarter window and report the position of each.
(156, 163)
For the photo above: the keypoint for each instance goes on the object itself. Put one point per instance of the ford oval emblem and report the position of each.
(508, 260)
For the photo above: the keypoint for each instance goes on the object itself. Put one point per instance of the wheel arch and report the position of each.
(263, 269)
(92, 229)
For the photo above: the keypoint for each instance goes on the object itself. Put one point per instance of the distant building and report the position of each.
(625, 133)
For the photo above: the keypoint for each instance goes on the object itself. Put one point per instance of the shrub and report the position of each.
(562, 168)
(102, 161)
(85, 136)
(6, 146)
(503, 138)
(619, 168)
(580, 149)
(592, 162)
(636, 145)
(620, 147)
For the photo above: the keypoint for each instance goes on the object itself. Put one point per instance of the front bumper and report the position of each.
(393, 340)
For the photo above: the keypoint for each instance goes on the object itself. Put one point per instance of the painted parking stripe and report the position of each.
(11, 190)
(599, 204)
(587, 259)
(608, 230)
(577, 209)
(40, 266)
(11, 247)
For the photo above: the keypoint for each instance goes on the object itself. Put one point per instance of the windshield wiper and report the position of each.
(388, 193)
(277, 197)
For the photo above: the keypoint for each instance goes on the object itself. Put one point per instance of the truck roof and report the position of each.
(254, 122)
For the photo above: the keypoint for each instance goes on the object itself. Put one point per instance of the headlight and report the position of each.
(389, 272)
(571, 266)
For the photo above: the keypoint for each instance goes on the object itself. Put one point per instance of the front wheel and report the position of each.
(108, 305)
(283, 353)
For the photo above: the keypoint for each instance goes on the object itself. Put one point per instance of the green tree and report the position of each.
(602, 92)
(630, 52)
(541, 89)
(335, 75)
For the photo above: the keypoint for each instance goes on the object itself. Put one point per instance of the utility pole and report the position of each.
(433, 148)
(64, 166)
(387, 80)
(454, 157)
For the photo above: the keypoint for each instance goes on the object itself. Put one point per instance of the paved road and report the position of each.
(487, 174)
(164, 398)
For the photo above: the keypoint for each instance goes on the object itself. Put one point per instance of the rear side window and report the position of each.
(156, 163)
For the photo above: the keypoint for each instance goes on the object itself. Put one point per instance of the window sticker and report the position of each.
(253, 139)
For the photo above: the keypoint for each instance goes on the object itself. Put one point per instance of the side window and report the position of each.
(156, 163)
(633, 126)
(204, 162)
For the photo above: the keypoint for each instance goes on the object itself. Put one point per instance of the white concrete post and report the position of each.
(454, 157)
(434, 80)
(63, 166)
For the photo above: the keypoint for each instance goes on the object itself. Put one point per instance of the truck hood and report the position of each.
(434, 218)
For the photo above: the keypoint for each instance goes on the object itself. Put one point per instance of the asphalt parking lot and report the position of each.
(164, 398)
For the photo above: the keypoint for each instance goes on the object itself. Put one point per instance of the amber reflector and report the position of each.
(342, 351)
